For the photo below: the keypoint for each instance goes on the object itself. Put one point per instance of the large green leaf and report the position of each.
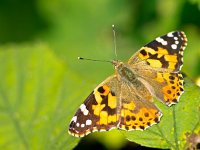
(37, 102)
(177, 124)
(35, 99)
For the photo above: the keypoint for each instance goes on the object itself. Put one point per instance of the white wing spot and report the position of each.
(85, 112)
(82, 107)
(164, 43)
(82, 125)
(74, 118)
(182, 59)
(176, 42)
(87, 132)
(170, 34)
(94, 129)
(181, 53)
(174, 46)
(160, 40)
(77, 124)
(88, 122)
(175, 38)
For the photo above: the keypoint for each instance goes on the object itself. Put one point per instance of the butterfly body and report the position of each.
(125, 99)
(125, 73)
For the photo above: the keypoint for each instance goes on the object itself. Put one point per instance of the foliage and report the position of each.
(42, 83)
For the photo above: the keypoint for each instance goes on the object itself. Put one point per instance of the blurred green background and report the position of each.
(42, 82)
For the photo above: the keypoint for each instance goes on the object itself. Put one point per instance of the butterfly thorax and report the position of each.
(128, 77)
(124, 72)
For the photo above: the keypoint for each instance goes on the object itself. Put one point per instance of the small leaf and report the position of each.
(177, 121)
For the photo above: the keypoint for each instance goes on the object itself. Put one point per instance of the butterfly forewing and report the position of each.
(99, 111)
(163, 52)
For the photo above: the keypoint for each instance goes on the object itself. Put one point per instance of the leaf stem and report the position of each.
(175, 131)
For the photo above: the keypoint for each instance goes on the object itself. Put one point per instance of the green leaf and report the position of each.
(35, 98)
(37, 103)
(176, 123)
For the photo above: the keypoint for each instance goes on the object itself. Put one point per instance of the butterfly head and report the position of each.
(117, 64)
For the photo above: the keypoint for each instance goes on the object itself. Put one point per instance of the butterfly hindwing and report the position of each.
(169, 87)
(166, 86)
(137, 111)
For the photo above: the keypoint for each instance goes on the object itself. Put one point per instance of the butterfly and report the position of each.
(125, 100)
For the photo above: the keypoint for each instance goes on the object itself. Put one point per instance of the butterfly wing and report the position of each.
(99, 110)
(164, 52)
(137, 112)
(158, 64)
(166, 86)
(113, 104)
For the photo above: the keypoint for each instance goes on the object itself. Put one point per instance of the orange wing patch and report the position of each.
(172, 87)
(105, 108)
(138, 117)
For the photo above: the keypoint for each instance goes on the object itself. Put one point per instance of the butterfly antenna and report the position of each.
(81, 58)
(114, 41)
(115, 50)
